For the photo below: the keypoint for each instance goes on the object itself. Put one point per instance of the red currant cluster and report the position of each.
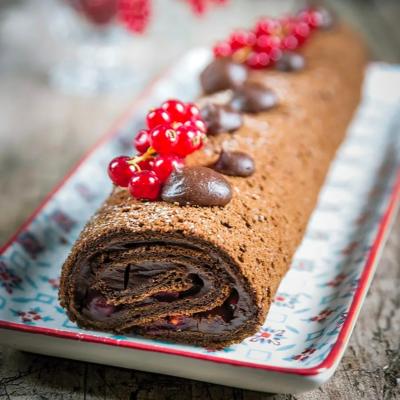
(174, 131)
(135, 14)
(199, 7)
(263, 45)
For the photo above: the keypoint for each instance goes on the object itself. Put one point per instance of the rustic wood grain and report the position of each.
(43, 132)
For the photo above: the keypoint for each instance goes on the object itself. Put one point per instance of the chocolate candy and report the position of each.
(290, 61)
(220, 118)
(235, 163)
(200, 186)
(222, 74)
(252, 98)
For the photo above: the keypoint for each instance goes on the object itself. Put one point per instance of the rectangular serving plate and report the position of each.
(317, 304)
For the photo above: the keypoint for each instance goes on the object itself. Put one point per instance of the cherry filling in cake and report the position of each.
(97, 308)
(198, 321)
(173, 288)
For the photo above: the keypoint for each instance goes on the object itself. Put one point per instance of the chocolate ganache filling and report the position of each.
(160, 287)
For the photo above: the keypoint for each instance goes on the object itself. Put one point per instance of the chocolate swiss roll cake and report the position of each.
(201, 265)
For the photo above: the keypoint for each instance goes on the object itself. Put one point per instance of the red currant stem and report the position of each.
(176, 125)
(150, 152)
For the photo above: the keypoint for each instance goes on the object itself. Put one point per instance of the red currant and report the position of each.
(301, 31)
(198, 6)
(120, 171)
(176, 110)
(275, 54)
(164, 165)
(311, 17)
(142, 141)
(267, 26)
(134, 14)
(198, 123)
(192, 112)
(222, 49)
(99, 12)
(190, 139)
(163, 139)
(144, 185)
(157, 117)
(290, 42)
(146, 164)
(241, 38)
(258, 60)
(266, 43)
(288, 24)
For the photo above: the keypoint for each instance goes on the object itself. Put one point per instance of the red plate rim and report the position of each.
(336, 350)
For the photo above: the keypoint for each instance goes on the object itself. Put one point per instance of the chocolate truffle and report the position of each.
(252, 98)
(290, 61)
(235, 163)
(222, 74)
(220, 118)
(199, 186)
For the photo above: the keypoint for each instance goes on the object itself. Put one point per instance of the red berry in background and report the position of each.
(134, 14)
(175, 109)
(310, 17)
(98, 12)
(120, 172)
(190, 139)
(290, 42)
(241, 38)
(199, 7)
(267, 26)
(301, 31)
(267, 42)
(157, 117)
(258, 60)
(275, 54)
(222, 49)
(144, 185)
(287, 24)
(164, 165)
(163, 139)
(142, 141)
(317, 17)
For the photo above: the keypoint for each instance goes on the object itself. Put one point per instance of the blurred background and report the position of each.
(67, 71)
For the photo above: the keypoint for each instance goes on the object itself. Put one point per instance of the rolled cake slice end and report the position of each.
(169, 285)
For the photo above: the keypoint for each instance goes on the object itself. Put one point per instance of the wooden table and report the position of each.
(43, 132)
